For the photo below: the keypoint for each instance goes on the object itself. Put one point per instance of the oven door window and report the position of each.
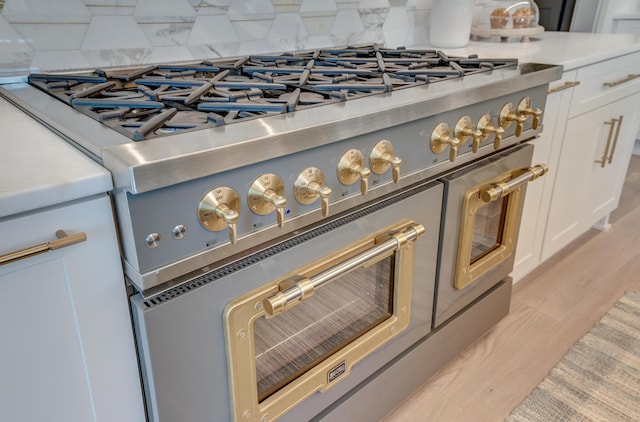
(488, 228)
(291, 343)
(302, 333)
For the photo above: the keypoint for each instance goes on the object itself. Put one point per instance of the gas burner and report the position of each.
(304, 98)
(159, 100)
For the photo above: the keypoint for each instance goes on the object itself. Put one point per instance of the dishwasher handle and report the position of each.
(63, 240)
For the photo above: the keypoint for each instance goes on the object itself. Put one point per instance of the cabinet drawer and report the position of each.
(606, 82)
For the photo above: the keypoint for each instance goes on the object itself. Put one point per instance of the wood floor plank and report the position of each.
(566, 283)
(630, 199)
(552, 308)
(499, 391)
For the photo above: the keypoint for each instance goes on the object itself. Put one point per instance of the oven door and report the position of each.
(483, 208)
(305, 320)
(302, 332)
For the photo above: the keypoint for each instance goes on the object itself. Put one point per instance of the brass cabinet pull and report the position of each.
(564, 86)
(605, 155)
(623, 80)
(62, 241)
(608, 156)
(500, 190)
(615, 138)
(303, 287)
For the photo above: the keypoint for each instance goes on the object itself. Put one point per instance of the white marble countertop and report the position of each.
(38, 169)
(570, 49)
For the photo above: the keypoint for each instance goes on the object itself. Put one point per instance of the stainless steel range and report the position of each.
(304, 230)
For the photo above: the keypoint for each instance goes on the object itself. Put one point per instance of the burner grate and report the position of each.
(161, 100)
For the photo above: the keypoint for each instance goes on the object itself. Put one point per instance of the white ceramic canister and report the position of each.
(450, 23)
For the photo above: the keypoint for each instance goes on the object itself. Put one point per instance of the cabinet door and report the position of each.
(67, 351)
(618, 129)
(547, 151)
(584, 191)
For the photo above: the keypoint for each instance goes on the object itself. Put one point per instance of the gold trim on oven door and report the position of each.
(277, 297)
(508, 187)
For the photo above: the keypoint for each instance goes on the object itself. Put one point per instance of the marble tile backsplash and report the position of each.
(51, 35)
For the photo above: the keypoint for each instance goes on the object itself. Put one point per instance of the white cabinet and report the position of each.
(589, 133)
(594, 160)
(547, 151)
(615, 135)
(626, 23)
(67, 351)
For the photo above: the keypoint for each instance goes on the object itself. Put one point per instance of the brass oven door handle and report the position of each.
(500, 190)
(303, 288)
(621, 81)
(62, 241)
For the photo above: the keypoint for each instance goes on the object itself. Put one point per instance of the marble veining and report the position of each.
(205, 7)
(373, 18)
(34, 11)
(347, 21)
(73, 34)
(167, 34)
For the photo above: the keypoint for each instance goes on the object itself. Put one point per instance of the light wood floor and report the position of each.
(552, 308)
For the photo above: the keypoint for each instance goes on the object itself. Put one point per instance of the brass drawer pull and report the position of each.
(623, 80)
(62, 241)
(564, 86)
(302, 287)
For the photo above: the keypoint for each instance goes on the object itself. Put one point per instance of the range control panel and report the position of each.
(241, 208)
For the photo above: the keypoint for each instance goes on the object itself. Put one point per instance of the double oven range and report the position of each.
(308, 235)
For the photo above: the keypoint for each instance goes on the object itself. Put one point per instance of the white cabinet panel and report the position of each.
(606, 82)
(585, 192)
(547, 151)
(585, 116)
(41, 363)
(618, 129)
(67, 346)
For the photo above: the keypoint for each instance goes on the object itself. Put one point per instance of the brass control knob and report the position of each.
(441, 138)
(464, 130)
(524, 109)
(351, 169)
(309, 186)
(266, 196)
(485, 125)
(508, 115)
(382, 158)
(219, 209)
